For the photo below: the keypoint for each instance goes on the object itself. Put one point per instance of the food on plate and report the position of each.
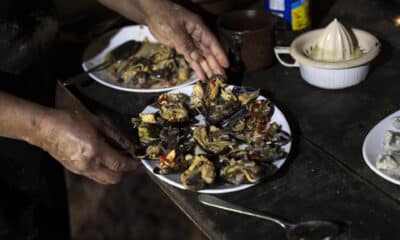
(386, 162)
(153, 66)
(392, 142)
(220, 134)
(201, 172)
(238, 171)
(396, 122)
(390, 158)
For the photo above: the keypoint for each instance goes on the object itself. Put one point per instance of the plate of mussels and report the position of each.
(212, 137)
(136, 62)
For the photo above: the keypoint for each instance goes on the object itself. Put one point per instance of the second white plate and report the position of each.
(97, 50)
(373, 146)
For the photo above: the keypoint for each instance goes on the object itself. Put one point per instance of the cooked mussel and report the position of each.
(168, 98)
(163, 54)
(266, 153)
(174, 113)
(261, 107)
(167, 65)
(213, 139)
(224, 105)
(220, 110)
(213, 87)
(237, 121)
(151, 118)
(148, 132)
(246, 95)
(185, 71)
(197, 98)
(239, 172)
(200, 172)
(173, 107)
(275, 135)
(153, 152)
(174, 161)
(176, 138)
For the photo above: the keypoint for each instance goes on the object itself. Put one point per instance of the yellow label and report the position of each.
(300, 16)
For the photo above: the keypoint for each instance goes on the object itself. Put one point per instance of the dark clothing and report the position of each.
(33, 199)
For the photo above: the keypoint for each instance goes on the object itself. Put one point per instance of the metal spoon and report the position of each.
(308, 230)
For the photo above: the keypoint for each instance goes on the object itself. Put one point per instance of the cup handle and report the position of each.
(284, 50)
(236, 47)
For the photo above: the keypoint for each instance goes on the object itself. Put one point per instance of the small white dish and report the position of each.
(373, 146)
(175, 179)
(97, 50)
(330, 75)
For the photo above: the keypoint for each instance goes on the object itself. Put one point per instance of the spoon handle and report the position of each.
(219, 203)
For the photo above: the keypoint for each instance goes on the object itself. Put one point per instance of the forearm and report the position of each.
(138, 10)
(131, 9)
(20, 119)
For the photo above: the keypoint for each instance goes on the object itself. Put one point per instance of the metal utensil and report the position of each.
(308, 230)
(121, 52)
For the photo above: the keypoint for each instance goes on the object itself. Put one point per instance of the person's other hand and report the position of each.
(177, 27)
(85, 147)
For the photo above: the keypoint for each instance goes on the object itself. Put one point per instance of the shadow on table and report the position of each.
(295, 135)
(384, 56)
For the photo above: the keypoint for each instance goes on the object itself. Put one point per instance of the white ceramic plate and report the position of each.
(98, 49)
(175, 179)
(373, 146)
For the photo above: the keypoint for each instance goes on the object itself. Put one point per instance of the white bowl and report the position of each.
(334, 78)
(330, 75)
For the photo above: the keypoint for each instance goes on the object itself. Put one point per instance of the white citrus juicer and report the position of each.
(334, 57)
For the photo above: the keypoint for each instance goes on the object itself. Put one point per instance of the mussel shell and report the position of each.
(156, 170)
(218, 112)
(249, 94)
(266, 105)
(281, 138)
(241, 89)
(230, 122)
(175, 138)
(160, 74)
(244, 136)
(239, 172)
(261, 155)
(268, 169)
(125, 50)
(163, 54)
(174, 113)
(209, 143)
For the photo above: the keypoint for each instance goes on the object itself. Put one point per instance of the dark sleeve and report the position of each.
(15, 49)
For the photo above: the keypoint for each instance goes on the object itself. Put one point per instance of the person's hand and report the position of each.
(85, 147)
(177, 27)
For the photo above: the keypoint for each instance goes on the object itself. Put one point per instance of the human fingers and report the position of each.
(198, 69)
(217, 51)
(113, 137)
(116, 161)
(184, 45)
(104, 175)
(211, 61)
(206, 68)
(211, 46)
